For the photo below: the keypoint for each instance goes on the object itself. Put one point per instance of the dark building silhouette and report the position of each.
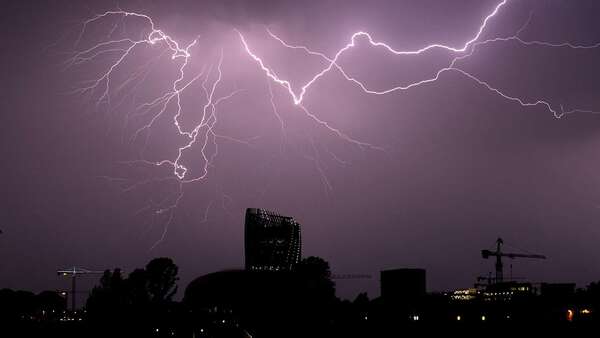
(557, 290)
(272, 241)
(403, 284)
(264, 303)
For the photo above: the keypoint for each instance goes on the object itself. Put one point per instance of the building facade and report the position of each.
(272, 241)
(403, 285)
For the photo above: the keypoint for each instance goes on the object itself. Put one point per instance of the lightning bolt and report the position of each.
(467, 49)
(203, 135)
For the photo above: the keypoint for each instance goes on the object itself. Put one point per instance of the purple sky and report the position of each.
(460, 167)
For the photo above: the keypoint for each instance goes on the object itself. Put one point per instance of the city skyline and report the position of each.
(425, 177)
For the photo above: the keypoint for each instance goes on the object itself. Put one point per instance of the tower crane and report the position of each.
(499, 254)
(73, 273)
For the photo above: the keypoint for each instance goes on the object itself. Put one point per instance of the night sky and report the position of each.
(454, 165)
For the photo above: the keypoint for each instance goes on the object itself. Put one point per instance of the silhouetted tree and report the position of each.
(316, 273)
(361, 300)
(140, 303)
(137, 288)
(50, 303)
(161, 274)
(107, 301)
(316, 296)
(16, 305)
(25, 312)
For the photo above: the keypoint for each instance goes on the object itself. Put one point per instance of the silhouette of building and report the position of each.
(270, 304)
(557, 290)
(403, 284)
(272, 241)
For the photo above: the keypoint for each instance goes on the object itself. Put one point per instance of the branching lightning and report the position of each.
(203, 135)
(466, 50)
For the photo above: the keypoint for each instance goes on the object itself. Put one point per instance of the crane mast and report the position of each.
(73, 273)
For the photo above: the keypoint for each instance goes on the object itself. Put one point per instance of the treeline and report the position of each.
(25, 306)
(139, 303)
(235, 303)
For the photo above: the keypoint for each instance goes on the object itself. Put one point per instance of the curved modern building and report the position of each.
(272, 241)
